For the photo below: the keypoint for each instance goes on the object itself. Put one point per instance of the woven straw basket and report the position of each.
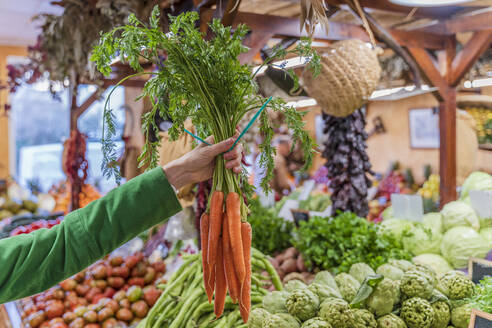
(350, 72)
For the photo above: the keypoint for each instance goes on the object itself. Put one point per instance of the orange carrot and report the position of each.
(215, 227)
(231, 278)
(204, 226)
(245, 301)
(220, 282)
(233, 208)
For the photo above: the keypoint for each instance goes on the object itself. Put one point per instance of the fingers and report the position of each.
(234, 159)
(221, 147)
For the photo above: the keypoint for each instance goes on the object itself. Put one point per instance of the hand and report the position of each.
(198, 165)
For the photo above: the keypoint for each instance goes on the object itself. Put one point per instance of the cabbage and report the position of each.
(485, 222)
(436, 262)
(395, 227)
(433, 221)
(486, 234)
(388, 213)
(476, 181)
(461, 243)
(455, 214)
(422, 239)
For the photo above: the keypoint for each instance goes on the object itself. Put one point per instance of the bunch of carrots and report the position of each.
(226, 253)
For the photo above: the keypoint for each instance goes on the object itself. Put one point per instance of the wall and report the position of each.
(5, 51)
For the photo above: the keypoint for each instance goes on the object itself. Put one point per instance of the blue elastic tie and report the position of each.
(242, 133)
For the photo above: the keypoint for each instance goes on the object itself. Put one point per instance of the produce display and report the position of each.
(416, 297)
(62, 196)
(26, 223)
(35, 226)
(184, 302)
(483, 119)
(114, 292)
(290, 265)
(10, 207)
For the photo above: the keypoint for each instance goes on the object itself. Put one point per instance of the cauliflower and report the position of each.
(274, 302)
(364, 319)
(442, 314)
(443, 283)
(416, 284)
(403, 265)
(347, 285)
(337, 313)
(389, 271)
(391, 321)
(324, 291)
(257, 317)
(460, 287)
(325, 278)
(316, 322)
(303, 304)
(460, 316)
(417, 313)
(360, 271)
(294, 285)
(281, 320)
(432, 276)
(384, 297)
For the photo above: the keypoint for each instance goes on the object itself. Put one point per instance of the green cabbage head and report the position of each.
(416, 284)
(302, 304)
(324, 291)
(433, 221)
(476, 181)
(460, 316)
(360, 271)
(274, 302)
(337, 313)
(364, 319)
(389, 271)
(442, 314)
(316, 322)
(461, 243)
(395, 227)
(257, 317)
(417, 313)
(388, 213)
(421, 240)
(436, 262)
(347, 285)
(391, 321)
(325, 278)
(384, 297)
(486, 234)
(459, 214)
(281, 320)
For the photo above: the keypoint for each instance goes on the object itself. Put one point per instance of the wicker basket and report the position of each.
(350, 72)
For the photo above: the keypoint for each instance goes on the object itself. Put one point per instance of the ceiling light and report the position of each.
(428, 3)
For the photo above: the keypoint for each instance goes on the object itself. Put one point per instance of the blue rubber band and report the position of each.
(242, 133)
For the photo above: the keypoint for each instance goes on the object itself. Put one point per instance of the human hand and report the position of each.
(198, 165)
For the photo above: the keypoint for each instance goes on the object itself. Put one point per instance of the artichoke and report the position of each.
(303, 304)
(364, 319)
(325, 278)
(460, 316)
(281, 320)
(316, 322)
(442, 314)
(384, 297)
(347, 285)
(443, 284)
(390, 271)
(274, 302)
(337, 313)
(391, 321)
(257, 317)
(360, 271)
(417, 313)
(403, 265)
(324, 291)
(429, 272)
(460, 287)
(294, 285)
(416, 284)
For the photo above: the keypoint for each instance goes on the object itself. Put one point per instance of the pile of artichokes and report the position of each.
(399, 294)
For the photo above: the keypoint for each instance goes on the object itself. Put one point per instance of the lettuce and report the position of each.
(486, 234)
(476, 181)
(457, 213)
(461, 243)
(436, 262)
(421, 239)
(395, 227)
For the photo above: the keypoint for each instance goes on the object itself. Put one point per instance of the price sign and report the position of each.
(480, 319)
(410, 207)
(481, 201)
(478, 269)
(286, 212)
(300, 215)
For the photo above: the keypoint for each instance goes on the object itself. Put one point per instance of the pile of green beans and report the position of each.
(183, 302)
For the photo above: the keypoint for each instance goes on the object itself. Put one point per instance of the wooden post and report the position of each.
(447, 149)
(75, 186)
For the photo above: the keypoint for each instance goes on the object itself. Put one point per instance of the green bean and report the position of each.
(273, 275)
(177, 321)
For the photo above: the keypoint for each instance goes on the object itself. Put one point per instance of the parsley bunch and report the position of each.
(201, 80)
(482, 298)
(336, 243)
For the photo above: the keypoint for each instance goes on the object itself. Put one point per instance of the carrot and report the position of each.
(204, 226)
(245, 302)
(231, 278)
(215, 227)
(220, 282)
(233, 208)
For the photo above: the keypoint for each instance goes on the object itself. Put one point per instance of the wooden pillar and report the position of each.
(447, 150)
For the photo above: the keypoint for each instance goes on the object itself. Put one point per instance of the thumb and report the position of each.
(221, 147)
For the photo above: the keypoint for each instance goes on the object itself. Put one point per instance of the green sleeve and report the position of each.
(34, 262)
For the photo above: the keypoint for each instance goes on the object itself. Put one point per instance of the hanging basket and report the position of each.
(349, 74)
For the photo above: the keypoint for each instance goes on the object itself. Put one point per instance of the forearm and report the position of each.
(34, 262)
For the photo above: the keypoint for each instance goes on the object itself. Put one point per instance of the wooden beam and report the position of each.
(136, 83)
(230, 12)
(79, 110)
(465, 59)
(418, 39)
(429, 67)
(473, 21)
(255, 41)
